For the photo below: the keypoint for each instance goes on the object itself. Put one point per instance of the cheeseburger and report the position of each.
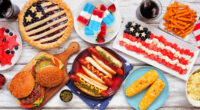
(29, 93)
(47, 71)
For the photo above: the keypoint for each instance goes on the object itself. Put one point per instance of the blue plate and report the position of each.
(135, 100)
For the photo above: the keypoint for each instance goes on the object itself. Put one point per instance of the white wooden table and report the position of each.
(176, 98)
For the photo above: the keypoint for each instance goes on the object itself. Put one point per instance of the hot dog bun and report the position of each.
(86, 91)
(92, 75)
(96, 65)
(103, 65)
(22, 84)
(108, 55)
(91, 83)
(49, 76)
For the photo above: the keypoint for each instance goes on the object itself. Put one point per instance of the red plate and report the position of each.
(117, 79)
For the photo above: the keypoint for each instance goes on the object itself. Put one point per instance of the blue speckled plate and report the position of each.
(135, 100)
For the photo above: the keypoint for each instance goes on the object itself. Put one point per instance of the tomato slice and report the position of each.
(26, 105)
(56, 62)
(31, 105)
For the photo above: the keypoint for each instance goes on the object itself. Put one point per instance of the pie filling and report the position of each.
(45, 22)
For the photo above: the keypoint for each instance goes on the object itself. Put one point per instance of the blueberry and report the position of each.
(129, 23)
(137, 26)
(143, 38)
(127, 26)
(140, 35)
(137, 30)
(145, 29)
(129, 32)
(4, 39)
(148, 35)
(125, 31)
(7, 51)
(12, 52)
(148, 32)
(11, 34)
(134, 31)
(16, 47)
(7, 30)
(133, 34)
(36, 4)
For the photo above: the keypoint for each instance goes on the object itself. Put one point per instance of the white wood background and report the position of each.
(176, 99)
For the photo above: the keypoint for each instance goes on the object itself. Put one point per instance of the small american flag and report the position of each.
(196, 33)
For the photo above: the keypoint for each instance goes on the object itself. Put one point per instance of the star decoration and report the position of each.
(133, 24)
(39, 15)
(28, 18)
(33, 9)
(98, 105)
(13, 41)
(143, 34)
(140, 28)
(131, 29)
(137, 34)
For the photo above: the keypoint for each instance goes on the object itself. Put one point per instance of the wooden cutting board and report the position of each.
(64, 56)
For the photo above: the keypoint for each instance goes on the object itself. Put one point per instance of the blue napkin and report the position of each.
(98, 104)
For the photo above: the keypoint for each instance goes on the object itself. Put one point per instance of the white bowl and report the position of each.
(193, 102)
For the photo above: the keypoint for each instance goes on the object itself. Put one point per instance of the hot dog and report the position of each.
(88, 85)
(96, 65)
(95, 73)
(106, 60)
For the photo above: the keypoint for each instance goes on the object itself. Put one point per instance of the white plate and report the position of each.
(114, 27)
(169, 38)
(17, 52)
(193, 7)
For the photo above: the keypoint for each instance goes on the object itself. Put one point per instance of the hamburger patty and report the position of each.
(35, 94)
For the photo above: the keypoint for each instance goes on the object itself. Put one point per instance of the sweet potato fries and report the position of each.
(179, 19)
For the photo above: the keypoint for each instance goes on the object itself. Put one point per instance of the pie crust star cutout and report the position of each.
(137, 34)
(131, 29)
(28, 18)
(143, 34)
(33, 9)
(133, 24)
(140, 28)
(39, 15)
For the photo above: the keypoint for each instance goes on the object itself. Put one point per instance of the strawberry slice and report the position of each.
(100, 39)
(112, 8)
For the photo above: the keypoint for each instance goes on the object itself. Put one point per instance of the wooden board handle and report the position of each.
(73, 48)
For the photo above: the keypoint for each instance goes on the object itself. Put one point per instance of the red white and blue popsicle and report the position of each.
(96, 20)
(108, 18)
(86, 14)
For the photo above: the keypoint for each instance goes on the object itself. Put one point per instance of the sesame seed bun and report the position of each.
(49, 76)
(22, 84)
